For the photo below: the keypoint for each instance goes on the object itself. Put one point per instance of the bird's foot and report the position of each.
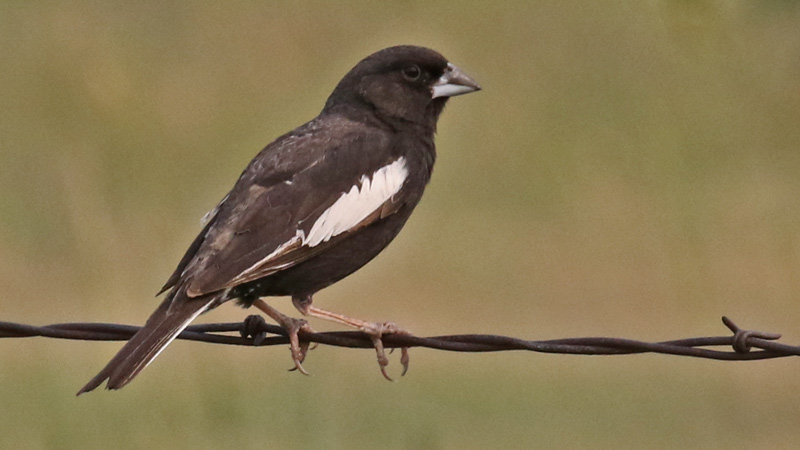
(299, 349)
(293, 328)
(376, 331)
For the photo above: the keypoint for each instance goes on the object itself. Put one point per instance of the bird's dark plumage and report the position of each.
(314, 205)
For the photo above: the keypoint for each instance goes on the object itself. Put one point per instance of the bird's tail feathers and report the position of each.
(174, 314)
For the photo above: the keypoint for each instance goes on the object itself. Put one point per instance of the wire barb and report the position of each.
(742, 339)
(253, 328)
(747, 345)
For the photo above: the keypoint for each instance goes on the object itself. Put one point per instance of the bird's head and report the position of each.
(405, 82)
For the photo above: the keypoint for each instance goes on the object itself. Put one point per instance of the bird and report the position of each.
(312, 207)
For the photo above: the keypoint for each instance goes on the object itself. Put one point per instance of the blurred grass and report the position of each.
(630, 169)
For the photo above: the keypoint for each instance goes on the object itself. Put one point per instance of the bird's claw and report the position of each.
(404, 359)
(375, 333)
(298, 349)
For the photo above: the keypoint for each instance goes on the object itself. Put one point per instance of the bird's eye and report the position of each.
(412, 73)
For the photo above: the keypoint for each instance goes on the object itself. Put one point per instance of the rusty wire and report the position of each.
(746, 345)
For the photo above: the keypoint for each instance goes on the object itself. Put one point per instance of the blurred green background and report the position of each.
(630, 169)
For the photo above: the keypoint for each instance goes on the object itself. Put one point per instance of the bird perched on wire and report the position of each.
(312, 207)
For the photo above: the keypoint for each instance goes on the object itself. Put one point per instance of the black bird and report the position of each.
(312, 207)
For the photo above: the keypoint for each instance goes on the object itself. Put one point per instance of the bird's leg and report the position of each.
(292, 327)
(374, 330)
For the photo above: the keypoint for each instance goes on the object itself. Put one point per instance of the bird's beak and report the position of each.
(454, 82)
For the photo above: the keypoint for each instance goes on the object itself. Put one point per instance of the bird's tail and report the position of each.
(174, 314)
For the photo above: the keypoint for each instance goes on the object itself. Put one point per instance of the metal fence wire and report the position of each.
(743, 345)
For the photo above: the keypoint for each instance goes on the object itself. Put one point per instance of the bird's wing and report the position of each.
(305, 191)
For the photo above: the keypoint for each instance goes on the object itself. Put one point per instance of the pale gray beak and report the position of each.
(454, 82)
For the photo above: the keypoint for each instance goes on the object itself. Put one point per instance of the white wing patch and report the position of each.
(358, 203)
(346, 213)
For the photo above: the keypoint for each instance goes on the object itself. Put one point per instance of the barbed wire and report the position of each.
(746, 345)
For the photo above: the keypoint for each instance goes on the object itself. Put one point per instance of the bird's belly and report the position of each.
(331, 265)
